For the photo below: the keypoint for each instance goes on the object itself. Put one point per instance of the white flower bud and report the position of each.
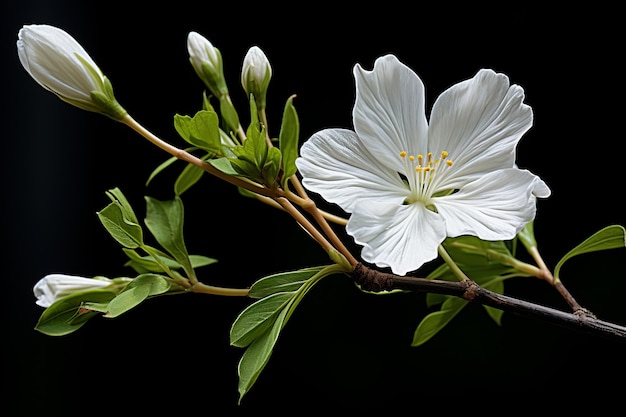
(56, 286)
(207, 62)
(61, 65)
(256, 74)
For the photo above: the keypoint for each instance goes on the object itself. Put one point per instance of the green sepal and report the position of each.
(610, 237)
(288, 141)
(68, 314)
(138, 290)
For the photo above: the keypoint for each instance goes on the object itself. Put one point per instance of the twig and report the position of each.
(582, 320)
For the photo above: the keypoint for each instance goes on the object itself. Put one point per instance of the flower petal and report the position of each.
(55, 286)
(479, 122)
(494, 207)
(336, 164)
(400, 237)
(389, 114)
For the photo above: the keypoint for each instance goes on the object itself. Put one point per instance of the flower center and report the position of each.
(420, 172)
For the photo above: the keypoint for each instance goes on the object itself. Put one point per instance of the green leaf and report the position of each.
(257, 318)
(258, 352)
(165, 221)
(202, 130)
(115, 194)
(288, 140)
(256, 356)
(497, 286)
(225, 166)
(191, 174)
(138, 290)
(281, 282)
(229, 114)
(434, 322)
(127, 233)
(611, 237)
(67, 314)
(271, 166)
(160, 168)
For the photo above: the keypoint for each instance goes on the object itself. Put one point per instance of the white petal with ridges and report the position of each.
(335, 164)
(389, 114)
(494, 207)
(479, 122)
(400, 237)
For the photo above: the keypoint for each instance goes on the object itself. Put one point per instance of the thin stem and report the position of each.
(263, 117)
(453, 266)
(187, 157)
(199, 287)
(305, 223)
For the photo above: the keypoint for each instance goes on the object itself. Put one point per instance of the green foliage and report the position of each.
(120, 221)
(483, 262)
(165, 221)
(610, 237)
(288, 140)
(138, 290)
(68, 315)
(257, 327)
(201, 130)
(158, 270)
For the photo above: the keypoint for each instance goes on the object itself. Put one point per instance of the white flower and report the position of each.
(56, 286)
(409, 183)
(256, 73)
(61, 65)
(206, 61)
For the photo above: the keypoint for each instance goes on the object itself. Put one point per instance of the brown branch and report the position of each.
(583, 321)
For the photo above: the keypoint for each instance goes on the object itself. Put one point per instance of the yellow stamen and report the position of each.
(424, 172)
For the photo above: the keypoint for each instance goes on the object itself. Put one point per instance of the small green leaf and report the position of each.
(125, 232)
(160, 168)
(271, 167)
(611, 237)
(224, 165)
(257, 318)
(288, 140)
(165, 221)
(257, 355)
(115, 194)
(285, 281)
(201, 130)
(434, 322)
(67, 314)
(191, 174)
(137, 291)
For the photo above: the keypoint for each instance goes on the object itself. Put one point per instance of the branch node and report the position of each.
(471, 289)
(371, 279)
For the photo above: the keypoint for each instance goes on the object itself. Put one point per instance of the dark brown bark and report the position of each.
(582, 320)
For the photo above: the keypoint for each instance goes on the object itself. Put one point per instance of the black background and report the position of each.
(342, 350)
